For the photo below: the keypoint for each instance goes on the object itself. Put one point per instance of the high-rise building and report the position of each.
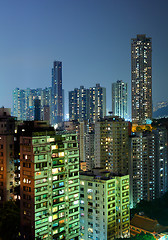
(161, 161)
(79, 104)
(87, 104)
(119, 99)
(97, 104)
(23, 103)
(63, 104)
(142, 168)
(104, 205)
(141, 79)
(7, 170)
(46, 113)
(57, 100)
(111, 144)
(19, 104)
(82, 139)
(46, 104)
(74, 105)
(148, 165)
(37, 109)
(86, 145)
(49, 180)
(90, 143)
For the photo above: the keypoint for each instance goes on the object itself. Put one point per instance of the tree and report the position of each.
(9, 221)
(141, 236)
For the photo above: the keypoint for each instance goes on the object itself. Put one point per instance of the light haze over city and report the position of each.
(92, 38)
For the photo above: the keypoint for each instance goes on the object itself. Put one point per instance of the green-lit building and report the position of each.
(104, 205)
(49, 178)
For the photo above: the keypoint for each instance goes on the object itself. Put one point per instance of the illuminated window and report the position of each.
(61, 154)
(82, 183)
(55, 216)
(38, 173)
(54, 147)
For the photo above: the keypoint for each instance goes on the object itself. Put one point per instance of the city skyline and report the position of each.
(93, 43)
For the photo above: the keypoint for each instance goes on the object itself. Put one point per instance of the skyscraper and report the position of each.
(19, 104)
(49, 187)
(111, 144)
(57, 101)
(79, 104)
(119, 99)
(7, 127)
(148, 165)
(97, 105)
(141, 79)
(104, 205)
(37, 109)
(142, 167)
(87, 104)
(23, 103)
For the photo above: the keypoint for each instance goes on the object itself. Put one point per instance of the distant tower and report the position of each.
(37, 109)
(141, 79)
(79, 104)
(119, 99)
(46, 104)
(97, 104)
(57, 100)
(87, 104)
(19, 104)
(46, 113)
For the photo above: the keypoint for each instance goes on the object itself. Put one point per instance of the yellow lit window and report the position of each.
(61, 154)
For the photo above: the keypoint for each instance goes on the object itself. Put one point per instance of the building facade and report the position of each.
(79, 104)
(87, 104)
(119, 99)
(148, 165)
(7, 167)
(97, 105)
(142, 168)
(19, 104)
(24, 107)
(111, 144)
(49, 184)
(57, 98)
(141, 79)
(162, 161)
(104, 206)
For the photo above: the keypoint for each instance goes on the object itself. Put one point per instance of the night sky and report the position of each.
(91, 37)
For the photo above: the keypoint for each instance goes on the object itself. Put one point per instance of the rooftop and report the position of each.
(100, 173)
(147, 224)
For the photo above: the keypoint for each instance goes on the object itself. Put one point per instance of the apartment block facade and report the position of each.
(141, 79)
(7, 165)
(104, 205)
(119, 99)
(49, 184)
(57, 94)
(111, 144)
(23, 103)
(87, 104)
(148, 165)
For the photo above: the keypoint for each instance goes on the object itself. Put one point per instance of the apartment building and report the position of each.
(49, 177)
(104, 205)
